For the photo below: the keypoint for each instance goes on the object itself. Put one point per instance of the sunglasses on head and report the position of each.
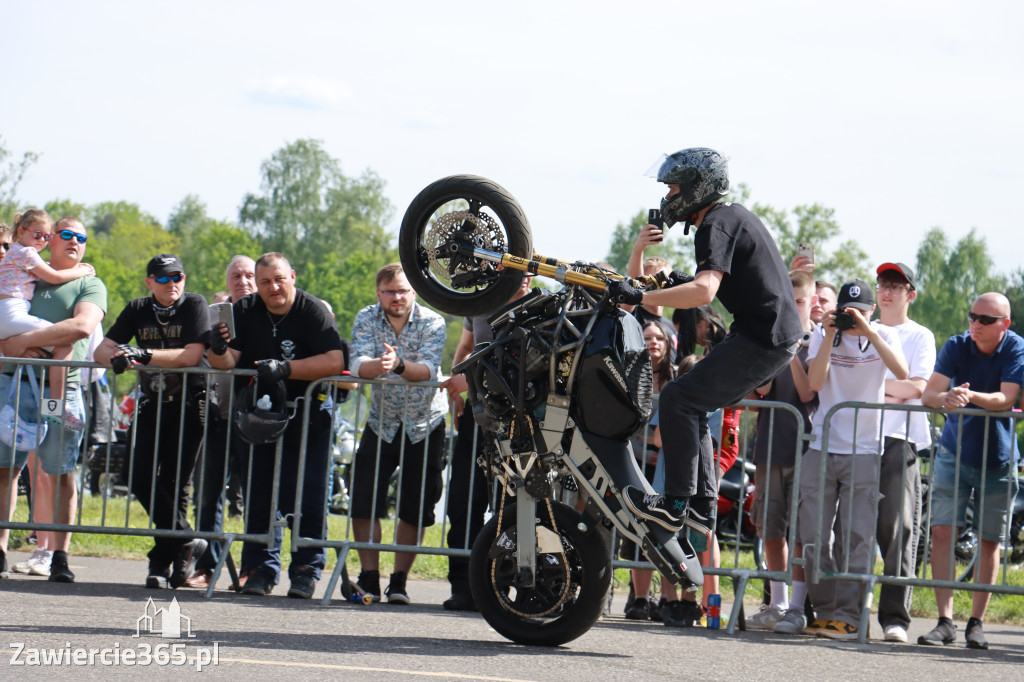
(984, 319)
(176, 277)
(68, 235)
(37, 234)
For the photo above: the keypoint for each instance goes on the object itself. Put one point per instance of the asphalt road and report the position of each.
(273, 637)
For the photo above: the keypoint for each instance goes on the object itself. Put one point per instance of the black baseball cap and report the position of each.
(164, 264)
(901, 268)
(856, 294)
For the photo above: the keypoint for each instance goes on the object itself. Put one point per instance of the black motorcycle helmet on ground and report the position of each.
(703, 178)
(258, 425)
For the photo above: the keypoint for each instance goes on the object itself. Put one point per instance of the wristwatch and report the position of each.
(400, 367)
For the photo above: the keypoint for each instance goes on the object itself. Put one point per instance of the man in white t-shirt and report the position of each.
(848, 364)
(899, 509)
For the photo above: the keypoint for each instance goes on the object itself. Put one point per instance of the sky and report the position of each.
(901, 116)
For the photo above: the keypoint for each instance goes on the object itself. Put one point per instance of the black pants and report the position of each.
(219, 459)
(467, 499)
(158, 478)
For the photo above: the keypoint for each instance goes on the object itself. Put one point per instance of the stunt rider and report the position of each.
(737, 262)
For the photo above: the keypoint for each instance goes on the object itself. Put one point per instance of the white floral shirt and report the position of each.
(420, 410)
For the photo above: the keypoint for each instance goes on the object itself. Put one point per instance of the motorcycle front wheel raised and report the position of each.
(570, 583)
(468, 210)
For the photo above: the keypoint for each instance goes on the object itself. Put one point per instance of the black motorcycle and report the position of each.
(561, 389)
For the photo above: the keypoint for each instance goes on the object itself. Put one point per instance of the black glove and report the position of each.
(131, 355)
(677, 277)
(273, 370)
(218, 344)
(624, 292)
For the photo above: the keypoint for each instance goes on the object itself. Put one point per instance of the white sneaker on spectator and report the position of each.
(765, 619)
(37, 564)
(793, 622)
(895, 633)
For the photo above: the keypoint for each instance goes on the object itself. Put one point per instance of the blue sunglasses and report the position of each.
(177, 277)
(68, 235)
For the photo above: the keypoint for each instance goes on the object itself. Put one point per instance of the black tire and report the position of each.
(483, 211)
(590, 572)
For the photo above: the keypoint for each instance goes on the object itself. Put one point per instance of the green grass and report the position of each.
(1002, 609)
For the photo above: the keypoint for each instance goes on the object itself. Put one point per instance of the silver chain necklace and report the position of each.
(274, 324)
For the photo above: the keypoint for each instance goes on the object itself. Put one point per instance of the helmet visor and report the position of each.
(652, 172)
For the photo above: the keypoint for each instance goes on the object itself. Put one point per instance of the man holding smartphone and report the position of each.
(738, 263)
(170, 328)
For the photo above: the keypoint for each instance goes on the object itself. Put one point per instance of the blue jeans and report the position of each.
(258, 475)
(58, 453)
(734, 368)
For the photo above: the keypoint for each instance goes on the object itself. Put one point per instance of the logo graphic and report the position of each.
(170, 621)
(854, 291)
(288, 349)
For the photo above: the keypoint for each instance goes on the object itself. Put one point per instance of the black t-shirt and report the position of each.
(755, 287)
(139, 321)
(306, 330)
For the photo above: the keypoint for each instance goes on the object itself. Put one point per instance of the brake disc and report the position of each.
(486, 234)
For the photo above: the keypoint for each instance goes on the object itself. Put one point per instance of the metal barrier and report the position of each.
(213, 459)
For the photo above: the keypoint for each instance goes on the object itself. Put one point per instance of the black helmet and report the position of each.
(256, 424)
(703, 178)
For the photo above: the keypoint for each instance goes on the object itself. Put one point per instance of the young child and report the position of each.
(19, 270)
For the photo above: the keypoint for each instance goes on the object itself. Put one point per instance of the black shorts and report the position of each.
(412, 498)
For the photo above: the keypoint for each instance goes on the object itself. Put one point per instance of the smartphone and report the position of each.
(223, 312)
(806, 250)
(654, 218)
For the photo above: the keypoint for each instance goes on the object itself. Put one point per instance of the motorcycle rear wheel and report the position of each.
(477, 210)
(550, 613)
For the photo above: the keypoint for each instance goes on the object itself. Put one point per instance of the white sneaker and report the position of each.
(765, 619)
(895, 633)
(793, 622)
(37, 564)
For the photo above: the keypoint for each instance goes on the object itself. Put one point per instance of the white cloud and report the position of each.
(299, 91)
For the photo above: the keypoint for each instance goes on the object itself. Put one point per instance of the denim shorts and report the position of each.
(997, 496)
(58, 453)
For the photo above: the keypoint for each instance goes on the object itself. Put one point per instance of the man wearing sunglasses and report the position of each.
(981, 369)
(75, 309)
(170, 328)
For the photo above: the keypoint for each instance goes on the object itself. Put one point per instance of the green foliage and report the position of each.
(675, 248)
(949, 278)
(312, 213)
(207, 245)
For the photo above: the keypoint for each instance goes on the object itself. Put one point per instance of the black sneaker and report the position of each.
(656, 611)
(59, 571)
(975, 636)
(681, 614)
(185, 561)
(653, 508)
(941, 634)
(155, 581)
(459, 601)
(369, 582)
(3, 565)
(397, 592)
(640, 609)
(302, 587)
(258, 583)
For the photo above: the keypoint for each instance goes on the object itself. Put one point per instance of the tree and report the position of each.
(207, 245)
(948, 281)
(674, 248)
(12, 172)
(311, 212)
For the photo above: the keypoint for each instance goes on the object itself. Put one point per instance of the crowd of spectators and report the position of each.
(867, 458)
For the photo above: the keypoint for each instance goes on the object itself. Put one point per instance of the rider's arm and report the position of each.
(700, 291)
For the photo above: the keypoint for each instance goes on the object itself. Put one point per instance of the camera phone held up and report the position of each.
(654, 218)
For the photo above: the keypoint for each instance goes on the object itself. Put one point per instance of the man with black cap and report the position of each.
(899, 485)
(170, 329)
(849, 363)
